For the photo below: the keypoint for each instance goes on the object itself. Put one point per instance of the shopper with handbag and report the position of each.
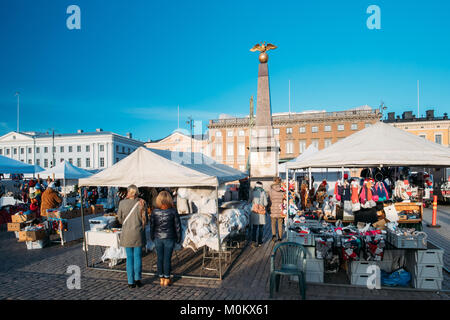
(258, 219)
(276, 215)
(165, 231)
(132, 215)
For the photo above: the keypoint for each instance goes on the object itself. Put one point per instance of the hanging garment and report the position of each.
(381, 191)
(354, 189)
(346, 195)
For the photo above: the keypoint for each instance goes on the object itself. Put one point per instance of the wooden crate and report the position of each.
(18, 218)
(401, 206)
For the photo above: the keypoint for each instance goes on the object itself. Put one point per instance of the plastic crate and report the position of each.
(361, 267)
(406, 242)
(429, 284)
(311, 277)
(359, 279)
(427, 271)
(39, 244)
(303, 239)
(432, 255)
(314, 265)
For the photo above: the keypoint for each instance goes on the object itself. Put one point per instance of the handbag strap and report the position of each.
(132, 210)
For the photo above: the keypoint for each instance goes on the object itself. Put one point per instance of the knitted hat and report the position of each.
(259, 184)
(345, 175)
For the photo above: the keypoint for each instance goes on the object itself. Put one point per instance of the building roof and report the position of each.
(199, 137)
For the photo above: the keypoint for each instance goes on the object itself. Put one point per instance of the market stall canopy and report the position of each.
(163, 168)
(65, 170)
(307, 153)
(380, 144)
(37, 169)
(8, 165)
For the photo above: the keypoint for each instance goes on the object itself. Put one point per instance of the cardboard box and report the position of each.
(18, 218)
(15, 226)
(98, 209)
(32, 235)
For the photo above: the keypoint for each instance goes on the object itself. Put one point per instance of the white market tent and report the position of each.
(378, 145)
(163, 168)
(65, 170)
(8, 165)
(307, 153)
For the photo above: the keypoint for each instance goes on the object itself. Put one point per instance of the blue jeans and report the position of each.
(260, 228)
(164, 249)
(134, 264)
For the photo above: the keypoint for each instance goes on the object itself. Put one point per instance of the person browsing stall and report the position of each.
(165, 231)
(276, 215)
(258, 219)
(133, 217)
(50, 199)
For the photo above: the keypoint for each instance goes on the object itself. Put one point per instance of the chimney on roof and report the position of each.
(129, 135)
(430, 114)
(407, 115)
(98, 130)
(391, 116)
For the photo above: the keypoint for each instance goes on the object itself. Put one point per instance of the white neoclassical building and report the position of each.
(87, 150)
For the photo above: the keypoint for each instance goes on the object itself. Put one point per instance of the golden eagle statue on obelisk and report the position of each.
(263, 47)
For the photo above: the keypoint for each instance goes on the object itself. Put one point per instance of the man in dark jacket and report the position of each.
(165, 231)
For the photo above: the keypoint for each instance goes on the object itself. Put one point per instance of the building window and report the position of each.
(123, 149)
(288, 130)
(341, 127)
(70, 160)
(45, 149)
(302, 146)
(276, 131)
(327, 128)
(129, 150)
(327, 143)
(367, 125)
(241, 133)
(218, 150)
(289, 148)
(88, 148)
(38, 162)
(117, 148)
(38, 150)
(218, 133)
(302, 129)
(61, 160)
(101, 147)
(61, 149)
(22, 150)
(229, 133)
(423, 136)
(78, 148)
(78, 162)
(88, 162)
(241, 149)
(70, 148)
(15, 150)
(45, 163)
(314, 129)
(29, 161)
(315, 143)
(438, 138)
(354, 126)
(230, 149)
(102, 162)
(7, 152)
(29, 150)
(1, 151)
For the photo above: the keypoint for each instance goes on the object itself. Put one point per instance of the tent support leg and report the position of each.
(287, 201)
(83, 228)
(218, 233)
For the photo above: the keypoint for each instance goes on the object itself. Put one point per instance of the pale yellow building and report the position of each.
(435, 129)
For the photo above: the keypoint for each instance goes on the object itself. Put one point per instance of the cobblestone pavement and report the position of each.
(41, 274)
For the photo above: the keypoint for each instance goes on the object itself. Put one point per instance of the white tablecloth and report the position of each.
(102, 238)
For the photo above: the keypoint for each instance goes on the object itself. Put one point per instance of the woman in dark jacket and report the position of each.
(165, 231)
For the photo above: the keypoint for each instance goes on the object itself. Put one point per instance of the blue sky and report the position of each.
(133, 62)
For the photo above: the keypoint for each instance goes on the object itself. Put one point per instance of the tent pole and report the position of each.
(82, 227)
(309, 176)
(218, 232)
(287, 201)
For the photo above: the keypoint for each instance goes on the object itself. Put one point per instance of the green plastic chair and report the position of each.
(293, 263)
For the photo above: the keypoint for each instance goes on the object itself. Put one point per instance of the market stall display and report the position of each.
(197, 180)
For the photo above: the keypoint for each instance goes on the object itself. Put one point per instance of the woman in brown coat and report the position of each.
(276, 215)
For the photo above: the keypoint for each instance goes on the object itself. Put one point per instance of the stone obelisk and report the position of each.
(263, 148)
